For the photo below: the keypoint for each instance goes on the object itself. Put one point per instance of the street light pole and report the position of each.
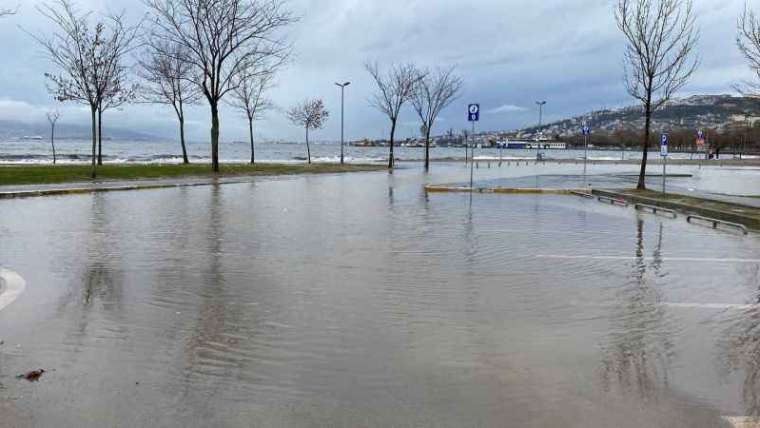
(541, 105)
(342, 110)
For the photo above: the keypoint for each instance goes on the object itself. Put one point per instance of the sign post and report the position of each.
(473, 115)
(586, 133)
(664, 155)
(700, 140)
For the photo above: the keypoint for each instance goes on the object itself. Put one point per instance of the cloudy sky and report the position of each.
(510, 53)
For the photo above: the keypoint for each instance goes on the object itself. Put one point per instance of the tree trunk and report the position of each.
(427, 149)
(181, 117)
(391, 161)
(215, 136)
(52, 140)
(308, 150)
(100, 136)
(250, 134)
(93, 111)
(642, 185)
(185, 159)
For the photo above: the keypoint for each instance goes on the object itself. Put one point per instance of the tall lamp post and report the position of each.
(342, 110)
(540, 105)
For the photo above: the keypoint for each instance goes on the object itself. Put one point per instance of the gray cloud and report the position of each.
(509, 52)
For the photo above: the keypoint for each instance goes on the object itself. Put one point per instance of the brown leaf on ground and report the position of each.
(32, 376)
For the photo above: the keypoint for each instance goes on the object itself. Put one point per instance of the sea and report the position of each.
(129, 151)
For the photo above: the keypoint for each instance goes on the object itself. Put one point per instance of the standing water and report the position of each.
(360, 300)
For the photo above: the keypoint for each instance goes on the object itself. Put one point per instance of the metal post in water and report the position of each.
(664, 155)
(472, 159)
(585, 157)
(541, 105)
(466, 149)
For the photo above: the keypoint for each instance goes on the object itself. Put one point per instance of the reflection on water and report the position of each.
(740, 346)
(640, 350)
(360, 300)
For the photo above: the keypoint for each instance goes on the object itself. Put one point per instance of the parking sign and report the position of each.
(473, 112)
(664, 145)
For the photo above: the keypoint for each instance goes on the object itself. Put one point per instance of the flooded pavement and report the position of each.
(358, 300)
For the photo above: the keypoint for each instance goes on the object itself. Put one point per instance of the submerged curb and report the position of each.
(11, 287)
(159, 183)
(83, 190)
(507, 190)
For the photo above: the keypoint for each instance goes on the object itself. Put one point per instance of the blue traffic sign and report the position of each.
(586, 130)
(664, 145)
(473, 112)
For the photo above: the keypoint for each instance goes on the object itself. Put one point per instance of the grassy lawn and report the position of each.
(747, 215)
(696, 201)
(49, 174)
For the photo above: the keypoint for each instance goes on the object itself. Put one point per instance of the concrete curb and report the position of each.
(688, 209)
(502, 190)
(164, 183)
(122, 188)
(12, 287)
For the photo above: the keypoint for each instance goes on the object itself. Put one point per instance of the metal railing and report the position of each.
(656, 210)
(582, 194)
(715, 223)
(613, 201)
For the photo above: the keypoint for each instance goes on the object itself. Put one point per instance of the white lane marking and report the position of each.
(742, 422)
(13, 286)
(665, 259)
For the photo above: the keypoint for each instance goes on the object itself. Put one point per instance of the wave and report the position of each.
(336, 159)
(503, 158)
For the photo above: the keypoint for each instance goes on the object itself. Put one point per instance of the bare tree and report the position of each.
(87, 57)
(394, 89)
(661, 38)
(249, 97)
(222, 38)
(433, 93)
(310, 114)
(748, 41)
(72, 50)
(168, 76)
(52, 117)
(116, 92)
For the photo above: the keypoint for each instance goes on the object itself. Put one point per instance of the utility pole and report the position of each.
(541, 105)
(586, 133)
(342, 110)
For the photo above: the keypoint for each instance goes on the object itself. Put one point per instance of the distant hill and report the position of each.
(717, 112)
(10, 130)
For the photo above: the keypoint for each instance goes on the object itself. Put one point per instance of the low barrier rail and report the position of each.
(613, 201)
(716, 223)
(656, 210)
(582, 194)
